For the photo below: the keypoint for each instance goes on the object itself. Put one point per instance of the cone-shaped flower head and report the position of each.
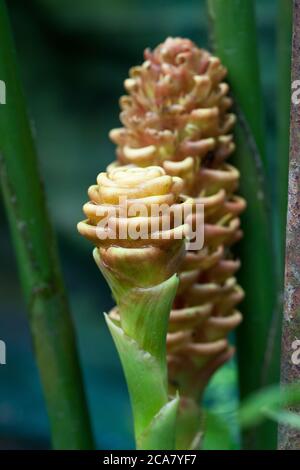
(175, 112)
(177, 115)
(135, 218)
(131, 218)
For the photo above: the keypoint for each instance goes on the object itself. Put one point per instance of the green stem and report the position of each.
(258, 336)
(285, 10)
(234, 35)
(49, 316)
(140, 334)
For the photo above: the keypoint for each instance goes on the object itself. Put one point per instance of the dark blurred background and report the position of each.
(73, 57)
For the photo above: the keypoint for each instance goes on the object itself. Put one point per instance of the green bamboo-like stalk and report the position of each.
(234, 39)
(49, 316)
(233, 30)
(284, 40)
(289, 438)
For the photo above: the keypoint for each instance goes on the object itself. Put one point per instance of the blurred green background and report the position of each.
(73, 57)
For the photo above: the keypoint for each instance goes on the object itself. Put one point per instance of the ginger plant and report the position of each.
(177, 116)
(140, 272)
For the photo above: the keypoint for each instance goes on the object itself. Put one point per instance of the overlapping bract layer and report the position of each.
(177, 115)
(176, 111)
(132, 242)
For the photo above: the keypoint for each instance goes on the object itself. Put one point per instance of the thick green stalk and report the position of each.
(49, 316)
(234, 40)
(258, 355)
(140, 337)
(233, 30)
(285, 9)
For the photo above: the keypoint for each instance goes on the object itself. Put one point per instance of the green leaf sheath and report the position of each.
(140, 338)
(144, 312)
(49, 316)
(234, 39)
(144, 378)
(160, 433)
(154, 417)
(189, 431)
